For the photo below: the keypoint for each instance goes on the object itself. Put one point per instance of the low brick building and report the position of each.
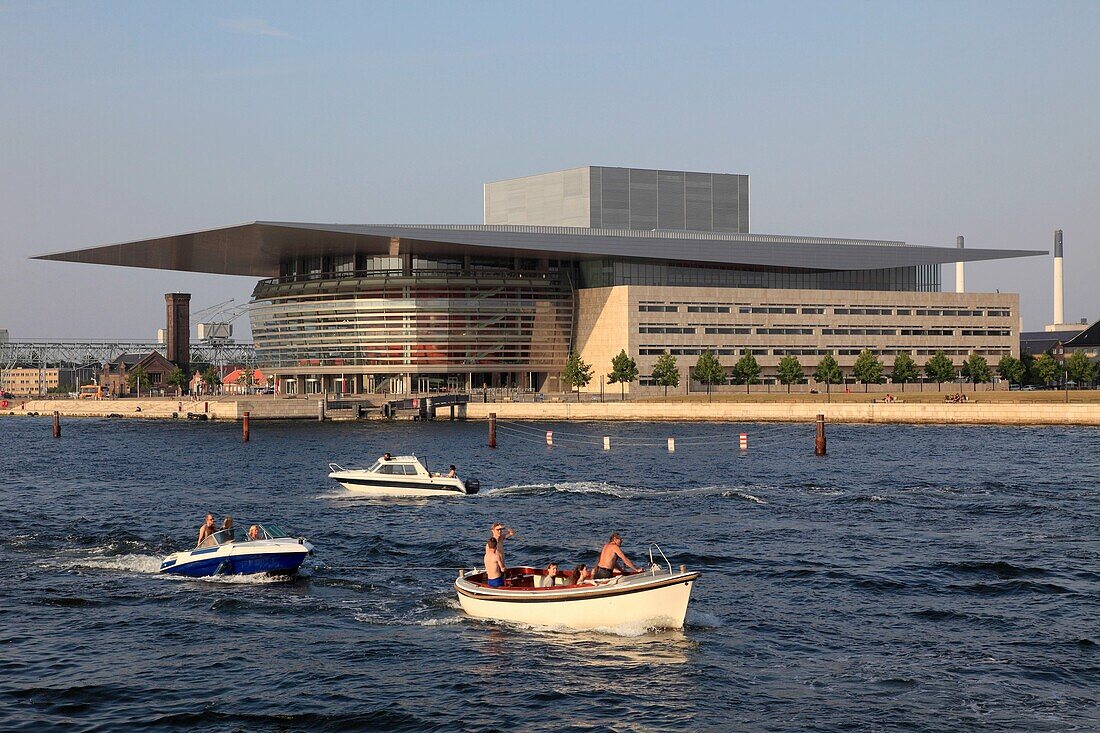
(115, 375)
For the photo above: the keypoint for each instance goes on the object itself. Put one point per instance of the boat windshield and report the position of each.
(271, 532)
(223, 536)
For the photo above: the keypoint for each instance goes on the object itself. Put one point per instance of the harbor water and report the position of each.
(916, 579)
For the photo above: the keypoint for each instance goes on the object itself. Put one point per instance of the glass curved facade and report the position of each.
(496, 325)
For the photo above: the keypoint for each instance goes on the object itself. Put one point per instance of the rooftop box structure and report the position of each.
(600, 197)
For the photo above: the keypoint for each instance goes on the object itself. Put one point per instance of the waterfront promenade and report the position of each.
(990, 408)
(914, 413)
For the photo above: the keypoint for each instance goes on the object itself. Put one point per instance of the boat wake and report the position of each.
(622, 492)
(701, 620)
(145, 564)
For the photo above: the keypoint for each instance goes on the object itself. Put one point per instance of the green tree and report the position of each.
(178, 378)
(868, 369)
(746, 371)
(1079, 368)
(210, 378)
(939, 369)
(905, 370)
(1046, 369)
(1011, 369)
(828, 371)
(665, 372)
(137, 378)
(246, 378)
(1027, 361)
(790, 371)
(977, 370)
(708, 370)
(577, 373)
(624, 370)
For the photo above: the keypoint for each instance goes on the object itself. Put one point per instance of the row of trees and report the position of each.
(138, 379)
(868, 369)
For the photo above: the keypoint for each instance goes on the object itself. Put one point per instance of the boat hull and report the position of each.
(382, 489)
(660, 603)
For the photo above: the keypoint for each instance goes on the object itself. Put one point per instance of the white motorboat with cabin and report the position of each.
(656, 598)
(235, 552)
(400, 476)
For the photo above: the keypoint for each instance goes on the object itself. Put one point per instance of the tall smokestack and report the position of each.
(960, 287)
(1058, 296)
(178, 342)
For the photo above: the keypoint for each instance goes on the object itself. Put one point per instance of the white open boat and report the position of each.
(657, 598)
(400, 476)
(233, 552)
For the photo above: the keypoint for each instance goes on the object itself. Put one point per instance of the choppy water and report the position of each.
(936, 579)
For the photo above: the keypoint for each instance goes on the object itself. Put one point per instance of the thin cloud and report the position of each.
(252, 27)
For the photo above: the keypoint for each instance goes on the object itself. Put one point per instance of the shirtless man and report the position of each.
(609, 557)
(501, 533)
(206, 529)
(494, 564)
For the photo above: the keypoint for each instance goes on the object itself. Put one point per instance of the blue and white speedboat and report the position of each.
(234, 551)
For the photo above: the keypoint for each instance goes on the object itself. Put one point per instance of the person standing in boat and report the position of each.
(494, 564)
(610, 556)
(207, 529)
(501, 533)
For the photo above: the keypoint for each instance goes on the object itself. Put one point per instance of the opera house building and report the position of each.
(596, 259)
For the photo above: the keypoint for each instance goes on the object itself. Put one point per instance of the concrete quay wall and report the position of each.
(162, 408)
(972, 413)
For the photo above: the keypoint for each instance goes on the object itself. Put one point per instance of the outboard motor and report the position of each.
(472, 486)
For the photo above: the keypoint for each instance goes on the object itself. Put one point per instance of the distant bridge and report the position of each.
(89, 356)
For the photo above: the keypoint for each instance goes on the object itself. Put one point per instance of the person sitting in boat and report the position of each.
(551, 578)
(253, 533)
(610, 556)
(501, 533)
(387, 457)
(452, 473)
(494, 564)
(208, 528)
(227, 527)
(581, 574)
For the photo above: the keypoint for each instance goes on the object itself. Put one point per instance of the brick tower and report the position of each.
(179, 329)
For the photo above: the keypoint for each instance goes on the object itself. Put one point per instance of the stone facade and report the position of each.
(771, 323)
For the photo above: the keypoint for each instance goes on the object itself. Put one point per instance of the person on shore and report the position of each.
(610, 556)
(551, 578)
(494, 564)
(500, 533)
(208, 528)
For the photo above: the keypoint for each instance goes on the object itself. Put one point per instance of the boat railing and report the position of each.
(652, 563)
(335, 467)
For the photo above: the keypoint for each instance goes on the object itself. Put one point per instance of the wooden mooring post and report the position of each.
(56, 424)
(244, 426)
(492, 430)
(819, 439)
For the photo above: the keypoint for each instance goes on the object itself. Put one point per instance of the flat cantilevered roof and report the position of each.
(257, 248)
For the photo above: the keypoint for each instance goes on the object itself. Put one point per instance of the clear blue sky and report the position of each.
(914, 121)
